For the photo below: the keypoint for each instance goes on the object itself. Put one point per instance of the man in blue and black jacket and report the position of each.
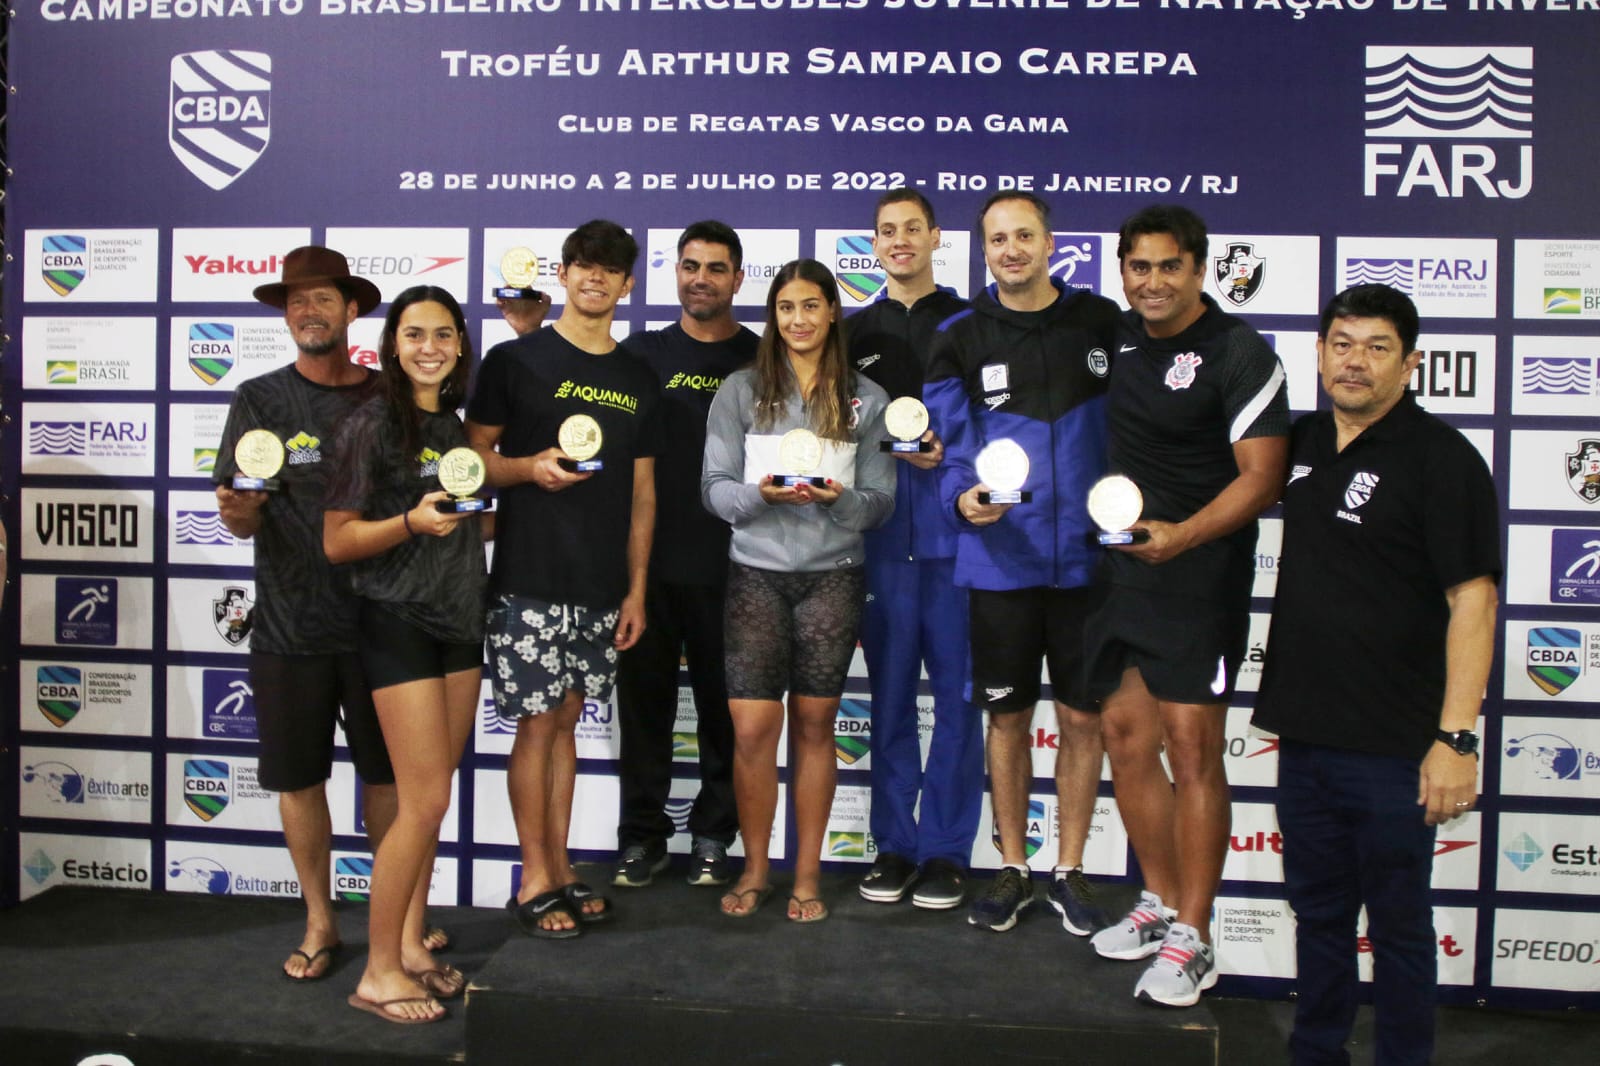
(1029, 363)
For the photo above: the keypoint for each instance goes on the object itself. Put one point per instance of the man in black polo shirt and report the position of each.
(1199, 420)
(915, 614)
(1382, 637)
(572, 547)
(688, 579)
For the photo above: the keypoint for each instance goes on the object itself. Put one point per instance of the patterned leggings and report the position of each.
(793, 632)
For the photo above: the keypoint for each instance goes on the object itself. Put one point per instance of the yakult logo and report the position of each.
(220, 116)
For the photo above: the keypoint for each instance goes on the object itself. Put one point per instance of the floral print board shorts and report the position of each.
(540, 650)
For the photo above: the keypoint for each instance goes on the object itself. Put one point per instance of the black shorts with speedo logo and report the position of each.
(1013, 631)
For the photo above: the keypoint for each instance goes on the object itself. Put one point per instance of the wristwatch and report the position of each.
(1462, 741)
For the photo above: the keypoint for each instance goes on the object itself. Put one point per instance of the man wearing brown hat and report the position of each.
(303, 664)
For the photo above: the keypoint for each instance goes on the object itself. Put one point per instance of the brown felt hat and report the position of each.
(316, 265)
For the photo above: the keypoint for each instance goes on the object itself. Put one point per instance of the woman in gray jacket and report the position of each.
(795, 580)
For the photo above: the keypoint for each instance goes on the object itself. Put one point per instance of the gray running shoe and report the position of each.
(1183, 968)
(1139, 935)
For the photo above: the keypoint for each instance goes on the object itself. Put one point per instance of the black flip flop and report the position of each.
(580, 892)
(331, 950)
(528, 914)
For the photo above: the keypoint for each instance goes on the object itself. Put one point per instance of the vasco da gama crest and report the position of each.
(219, 117)
(1583, 470)
(233, 613)
(1240, 273)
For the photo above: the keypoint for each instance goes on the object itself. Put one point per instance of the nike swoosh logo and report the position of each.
(1130, 348)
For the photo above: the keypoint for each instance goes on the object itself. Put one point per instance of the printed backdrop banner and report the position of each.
(167, 153)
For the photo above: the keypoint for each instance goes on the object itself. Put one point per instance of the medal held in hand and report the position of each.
(259, 457)
(1003, 466)
(461, 474)
(1115, 503)
(580, 437)
(799, 453)
(906, 419)
(518, 267)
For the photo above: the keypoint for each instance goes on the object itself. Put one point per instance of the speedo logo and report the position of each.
(996, 401)
(992, 694)
(868, 361)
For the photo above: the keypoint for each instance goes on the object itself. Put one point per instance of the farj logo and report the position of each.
(1035, 828)
(1548, 375)
(207, 787)
(202, 527)
(57, 438)
(1465, 96)
(220, 116)
(64, 261)
(60, 690)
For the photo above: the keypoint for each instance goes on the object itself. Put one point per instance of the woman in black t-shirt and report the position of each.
(420, 574)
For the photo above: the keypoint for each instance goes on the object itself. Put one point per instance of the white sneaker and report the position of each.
(1137, 936)
(1183, 968)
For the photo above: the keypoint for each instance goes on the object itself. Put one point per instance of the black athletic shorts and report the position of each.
(1188, 651)
(1012, 631)
(394, 651)
(298, 698)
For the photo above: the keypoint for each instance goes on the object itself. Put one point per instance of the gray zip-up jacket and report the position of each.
(785, 537)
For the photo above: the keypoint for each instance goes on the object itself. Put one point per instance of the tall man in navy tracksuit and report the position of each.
(1028, 363)
(914, 613)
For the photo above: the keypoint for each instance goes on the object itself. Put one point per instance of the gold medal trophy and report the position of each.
(1115, 503)
(799, 453)
(518, 267)
(580, 437)
(906, 419)
(259, 457)
(461, 474)
(1003, 466)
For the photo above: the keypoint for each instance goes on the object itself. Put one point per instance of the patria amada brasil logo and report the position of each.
(220, 115)
(1432, 115)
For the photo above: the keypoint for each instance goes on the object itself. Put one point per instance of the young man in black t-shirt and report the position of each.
(1198, 420)
(1382, 639)
(567, 592)
(687, 582)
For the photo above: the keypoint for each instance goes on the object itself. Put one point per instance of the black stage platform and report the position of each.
(192, 979)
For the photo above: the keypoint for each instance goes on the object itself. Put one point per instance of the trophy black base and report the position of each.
(1121, 536)
(241, 483)
(790, 480)
(470, 505)
(905, 446)
(1020, 496)
(581, 466)
(516, 292)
